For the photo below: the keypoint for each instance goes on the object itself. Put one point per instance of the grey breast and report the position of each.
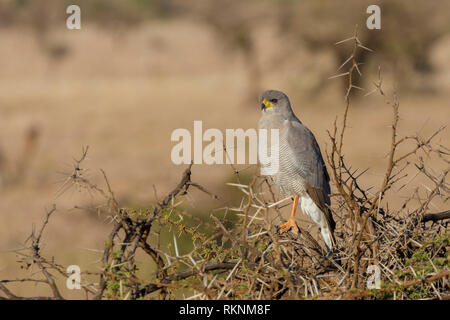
(291, 171)
(290, 178)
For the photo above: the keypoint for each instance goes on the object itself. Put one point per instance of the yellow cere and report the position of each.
(267, 104)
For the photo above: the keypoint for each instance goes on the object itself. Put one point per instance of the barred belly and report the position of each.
(288, 180)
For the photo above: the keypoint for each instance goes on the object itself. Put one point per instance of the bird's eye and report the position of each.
(274, 100)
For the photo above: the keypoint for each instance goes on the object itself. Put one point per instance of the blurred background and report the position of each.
(138, 69)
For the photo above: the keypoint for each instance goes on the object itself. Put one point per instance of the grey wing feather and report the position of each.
(308, 158)
(310, 166)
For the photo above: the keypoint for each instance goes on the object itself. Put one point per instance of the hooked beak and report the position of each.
(266, 105)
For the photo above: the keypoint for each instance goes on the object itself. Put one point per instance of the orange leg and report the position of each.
(291, 222)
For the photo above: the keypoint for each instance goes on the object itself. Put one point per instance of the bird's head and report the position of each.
(273, 101)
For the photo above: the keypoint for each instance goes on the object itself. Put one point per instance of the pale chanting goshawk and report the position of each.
(301, 172)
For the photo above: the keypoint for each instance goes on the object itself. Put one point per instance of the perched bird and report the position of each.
(301, 170)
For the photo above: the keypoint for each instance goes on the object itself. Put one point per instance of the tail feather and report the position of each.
(328, 237)
(322, 219)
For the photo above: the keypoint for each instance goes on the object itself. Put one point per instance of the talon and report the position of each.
(288, 225)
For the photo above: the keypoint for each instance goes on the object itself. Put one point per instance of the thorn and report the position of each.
(342, 41)
(359, 88)
(338, 75)
(365, 48)
(345, 62)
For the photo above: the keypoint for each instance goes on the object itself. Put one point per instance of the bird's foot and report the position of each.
(290, 224)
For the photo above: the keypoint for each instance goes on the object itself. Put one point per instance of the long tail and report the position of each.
(323, 219)
(328, 237)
